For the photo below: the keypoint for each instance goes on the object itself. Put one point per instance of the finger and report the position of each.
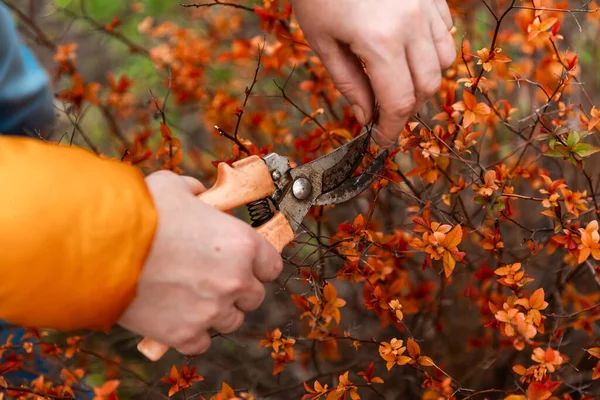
(194, 184)
(252, 298)
(394, 90)
(199, 345)
(267, 265)
(444, 43)
(424, 67)
(347, 72)
(444, 10)
(230, 322)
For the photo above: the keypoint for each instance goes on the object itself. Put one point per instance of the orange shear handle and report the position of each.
(241, 183)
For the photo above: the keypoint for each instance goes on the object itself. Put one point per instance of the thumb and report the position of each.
(194, 185)
(349, 77)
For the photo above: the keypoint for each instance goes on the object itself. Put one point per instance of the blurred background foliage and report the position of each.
(271, 120)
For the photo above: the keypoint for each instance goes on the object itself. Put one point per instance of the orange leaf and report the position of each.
(165, 130)
(449, 263)
(595, 351)
(537, 299)
(454, 237)
(426, 361)
(519, 369)
(413, 348)
(227, 392)
(103, 392)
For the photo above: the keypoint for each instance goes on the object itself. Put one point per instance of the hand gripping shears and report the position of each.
(278, 197)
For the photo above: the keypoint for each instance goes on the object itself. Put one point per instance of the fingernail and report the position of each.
(359, 113)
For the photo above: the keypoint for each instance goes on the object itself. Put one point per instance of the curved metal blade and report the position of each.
(324, 174)
(338, 173)
(338, 165)
(354, 186)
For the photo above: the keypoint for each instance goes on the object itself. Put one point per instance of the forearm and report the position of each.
(74, 231)
(25, 93)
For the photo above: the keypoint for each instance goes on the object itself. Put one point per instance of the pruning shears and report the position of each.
(279, 197)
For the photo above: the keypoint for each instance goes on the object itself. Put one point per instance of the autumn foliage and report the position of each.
(469, 270)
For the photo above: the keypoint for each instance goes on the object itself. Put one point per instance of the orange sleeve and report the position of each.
(75, 230)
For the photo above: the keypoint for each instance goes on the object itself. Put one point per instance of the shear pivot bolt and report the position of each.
(276, 175)
(301, 188)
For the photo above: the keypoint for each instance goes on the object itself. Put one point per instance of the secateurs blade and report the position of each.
(279, 197)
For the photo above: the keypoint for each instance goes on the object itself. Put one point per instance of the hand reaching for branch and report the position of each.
(205, 269)
(405, 45)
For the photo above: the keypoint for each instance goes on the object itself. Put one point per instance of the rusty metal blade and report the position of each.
(355, 186)
(337, 173)
(325, 174)
(337, 166)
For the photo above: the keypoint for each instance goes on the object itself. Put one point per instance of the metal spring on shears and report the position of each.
(260, 212)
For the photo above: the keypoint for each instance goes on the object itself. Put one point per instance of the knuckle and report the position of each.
(199, 346)
(414, 13)
(237, 320)
(184, 334)
(405, 106)
(431, 86)
(234, 284)
(209, 314)
(247, 245)
(348, 87)
(261, 293)
(278, 266)
(161, 175)
(383, 36)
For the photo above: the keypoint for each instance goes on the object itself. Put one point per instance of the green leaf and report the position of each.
(585, 149)
(62, 3)
(573, 139)
(552, 143)
(573, 160)
(498, 206)
(480, 200)
(559, 151)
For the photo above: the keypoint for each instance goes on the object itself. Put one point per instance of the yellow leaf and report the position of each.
(402, 360)
(449, 263)
(595, 351)
(426, 361)
(547, 24)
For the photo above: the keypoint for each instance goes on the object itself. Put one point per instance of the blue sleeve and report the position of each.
(25, 92)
